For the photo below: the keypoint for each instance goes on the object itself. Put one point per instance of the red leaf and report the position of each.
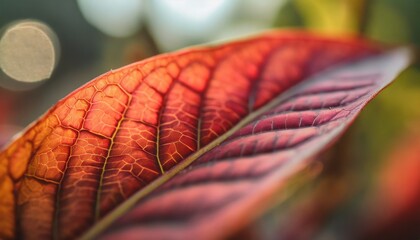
(246, 115)
(229, 185)
(392, 209)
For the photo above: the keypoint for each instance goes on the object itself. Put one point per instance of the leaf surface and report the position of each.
(242, 117)
(229, 185)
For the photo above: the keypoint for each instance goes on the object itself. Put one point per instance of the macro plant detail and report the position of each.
(184, 143)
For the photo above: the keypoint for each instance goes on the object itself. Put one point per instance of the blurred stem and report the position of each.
(365, 8)
(335, 16)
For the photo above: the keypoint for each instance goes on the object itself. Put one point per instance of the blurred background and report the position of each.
(369, 184)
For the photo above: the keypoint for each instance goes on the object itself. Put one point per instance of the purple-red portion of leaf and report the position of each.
(229, 185)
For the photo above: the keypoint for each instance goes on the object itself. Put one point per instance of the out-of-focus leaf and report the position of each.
(392, 209)
(236, 121)
(388, 24)
(333, 16)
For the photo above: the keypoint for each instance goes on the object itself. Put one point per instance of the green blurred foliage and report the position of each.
(332, 16)
(387, 24)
